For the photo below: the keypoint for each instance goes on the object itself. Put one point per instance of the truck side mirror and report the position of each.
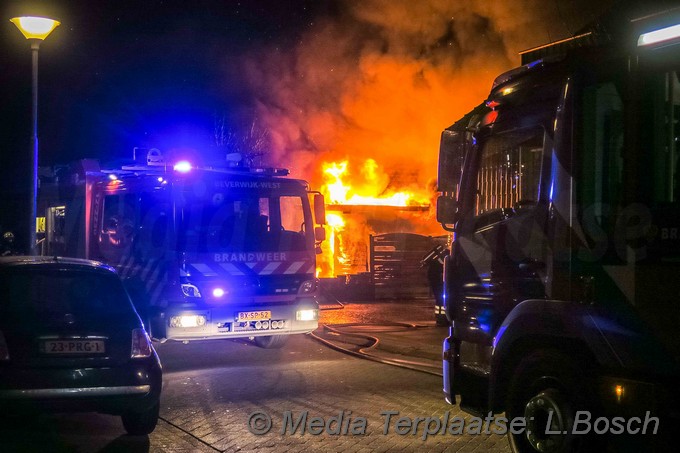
(447, 210)
(319, 234)
(320, 210)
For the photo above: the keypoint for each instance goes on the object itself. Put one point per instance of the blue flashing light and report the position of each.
(484, 320)
(182, 166)
(534, 63)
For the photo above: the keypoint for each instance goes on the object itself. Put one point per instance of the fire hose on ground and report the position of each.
(365, 352)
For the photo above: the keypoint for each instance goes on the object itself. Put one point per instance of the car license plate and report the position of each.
(254, 315)
(73, 347)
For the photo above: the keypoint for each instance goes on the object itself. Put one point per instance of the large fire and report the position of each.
(346, 248)
(371, 190)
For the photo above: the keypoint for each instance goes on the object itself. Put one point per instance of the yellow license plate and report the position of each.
(72, 347)
(254, 315)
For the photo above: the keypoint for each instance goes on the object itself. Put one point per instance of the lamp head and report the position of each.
(33, 27)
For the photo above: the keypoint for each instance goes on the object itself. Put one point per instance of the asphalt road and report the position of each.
(212, 389)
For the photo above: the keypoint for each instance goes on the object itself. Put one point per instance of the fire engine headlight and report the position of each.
(307, 314)
(188, 321)
(190, 290)
(308, 286)
(219, 292)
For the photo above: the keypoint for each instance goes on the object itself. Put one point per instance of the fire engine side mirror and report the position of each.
(320, 210)
(319, 234)
(447, 210)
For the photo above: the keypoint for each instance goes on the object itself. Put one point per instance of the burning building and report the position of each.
(357, 101)
(366, 205)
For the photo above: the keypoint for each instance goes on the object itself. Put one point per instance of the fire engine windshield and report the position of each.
(233, 221)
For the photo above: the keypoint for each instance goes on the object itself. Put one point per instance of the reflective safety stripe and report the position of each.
(254, 267)
(204, 269)
(231, 269)
(269, 268)
(439, 310)
(293, 268)
(152, 274)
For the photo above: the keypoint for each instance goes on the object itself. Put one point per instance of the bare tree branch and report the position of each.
(251, 142)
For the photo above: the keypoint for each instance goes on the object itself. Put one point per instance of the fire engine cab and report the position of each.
(219, 251)
(562, 286)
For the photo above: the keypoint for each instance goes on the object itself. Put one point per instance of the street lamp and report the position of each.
(35, 29)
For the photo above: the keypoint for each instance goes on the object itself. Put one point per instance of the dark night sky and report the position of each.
(119, 74)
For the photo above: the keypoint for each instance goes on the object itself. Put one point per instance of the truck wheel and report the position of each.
(141, 423)
(271, 341)
(546, 390)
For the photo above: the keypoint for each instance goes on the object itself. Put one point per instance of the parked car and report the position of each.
(71, 340)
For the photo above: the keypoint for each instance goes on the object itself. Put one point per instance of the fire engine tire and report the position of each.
(550, 386)
(271, 341)
(141, 423)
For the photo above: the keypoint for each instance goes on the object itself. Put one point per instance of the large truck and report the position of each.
(206, 252)
(562, 285)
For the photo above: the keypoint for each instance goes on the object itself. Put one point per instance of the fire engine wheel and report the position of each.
(546, 390)
(271, 341)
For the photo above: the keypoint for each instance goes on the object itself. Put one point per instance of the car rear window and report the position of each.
(52, 292)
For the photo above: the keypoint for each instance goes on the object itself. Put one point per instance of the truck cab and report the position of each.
(207, 252)
(562, 192)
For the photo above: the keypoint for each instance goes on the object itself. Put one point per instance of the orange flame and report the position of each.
(336, 225)
(371, 190)
(370, 187)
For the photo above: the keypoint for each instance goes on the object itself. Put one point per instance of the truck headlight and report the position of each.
(307, 314)
(188, 321)
(190, 290)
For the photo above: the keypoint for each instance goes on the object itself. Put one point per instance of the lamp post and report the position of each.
(35, 30)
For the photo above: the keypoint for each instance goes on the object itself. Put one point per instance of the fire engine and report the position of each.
(562, 285)
(206, 252)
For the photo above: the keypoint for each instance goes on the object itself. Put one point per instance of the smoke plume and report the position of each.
(381, 78)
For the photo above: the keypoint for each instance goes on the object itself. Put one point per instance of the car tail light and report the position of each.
(141, 344)
(4, 351)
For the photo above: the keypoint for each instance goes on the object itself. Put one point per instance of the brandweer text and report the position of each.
(249, 257)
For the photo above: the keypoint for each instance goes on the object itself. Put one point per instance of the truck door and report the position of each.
(498, 249)
(625, 259)
(119, 220)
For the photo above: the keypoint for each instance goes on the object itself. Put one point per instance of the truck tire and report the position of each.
(271, 341)
(141, 423)
(550, 386)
